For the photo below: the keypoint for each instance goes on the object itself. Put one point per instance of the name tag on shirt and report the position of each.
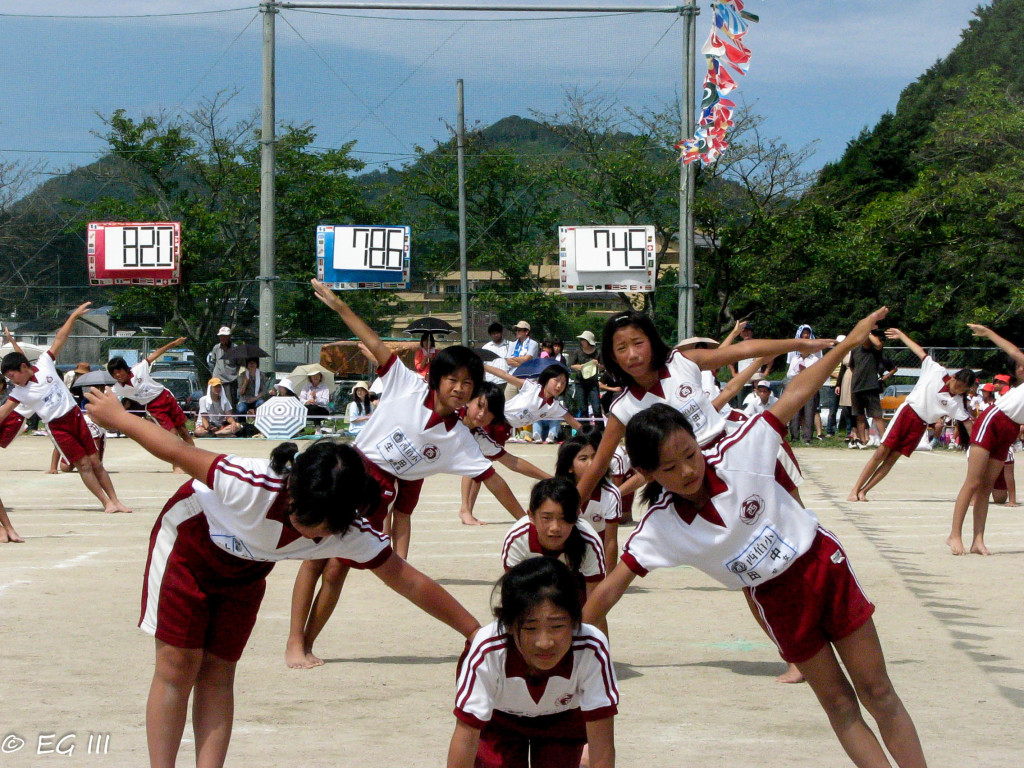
(766, 556)
(397, 451)
(694, 414)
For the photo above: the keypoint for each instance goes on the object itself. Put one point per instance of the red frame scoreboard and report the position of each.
(134, 253)
(607, 259)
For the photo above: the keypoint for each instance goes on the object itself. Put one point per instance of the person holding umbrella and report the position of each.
(251, 387)
(425, 354)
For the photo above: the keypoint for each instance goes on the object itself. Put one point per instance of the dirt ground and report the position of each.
(696, 674)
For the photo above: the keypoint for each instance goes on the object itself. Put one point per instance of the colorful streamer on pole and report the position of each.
(724, 48)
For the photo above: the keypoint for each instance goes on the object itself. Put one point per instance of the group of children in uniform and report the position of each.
(536, 686)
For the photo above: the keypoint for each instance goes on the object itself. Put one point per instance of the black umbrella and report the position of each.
(98, 378)
(487, 355)
(243, 352)
(429, 325)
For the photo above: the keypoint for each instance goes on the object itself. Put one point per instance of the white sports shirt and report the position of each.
(246, 506)
(530, 405)
(1012, 404)
(930, 398)
(487, 445)
(620, 463)
(141, 387)
(750, 530)
(45, 393)
(521, 543)
(406, 438)
(604, 506)
(679, 386)
(493, 676)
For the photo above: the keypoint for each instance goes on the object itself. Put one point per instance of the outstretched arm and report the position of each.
(523, 467)
(712, 359)
(426, 594)
(733, 334)
(607, 593)
(363, 332)
(803, 387)
(515, 381)
(897, 335)
(737, 381)
(106, 410)
(12, 342)
(613, 433)
(1008, 347)
(156, 355)
(496, 484)
(65, 330)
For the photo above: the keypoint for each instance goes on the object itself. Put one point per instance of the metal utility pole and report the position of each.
(268, 332)
(687, 175)
(463, 264)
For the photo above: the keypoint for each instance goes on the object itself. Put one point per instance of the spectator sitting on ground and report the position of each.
(215, 417)
(358, 412)
(316, 396)
(284, 388)
(250, 387)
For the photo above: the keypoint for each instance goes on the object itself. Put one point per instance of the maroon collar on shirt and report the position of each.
(278, 512)
(638, 392)
(449, 421)
(536, 680)
(688, 512)
(34, 372)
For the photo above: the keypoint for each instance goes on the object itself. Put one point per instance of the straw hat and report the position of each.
(83, 368)
(693, 341)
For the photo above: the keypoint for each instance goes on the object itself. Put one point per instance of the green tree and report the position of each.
(204, 172)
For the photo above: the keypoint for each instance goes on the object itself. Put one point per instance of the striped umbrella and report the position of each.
(280, 417)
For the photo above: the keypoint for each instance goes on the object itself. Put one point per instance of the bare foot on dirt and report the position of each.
(10, 536)
(116, 507)
(979, 548)
(854, 496)
(296, 656)
(467, 518)
(791, 675)
(955, 544)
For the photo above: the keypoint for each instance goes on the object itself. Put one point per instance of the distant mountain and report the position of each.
(882, 159)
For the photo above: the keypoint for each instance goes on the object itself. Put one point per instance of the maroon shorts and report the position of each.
(10, 428)
(71, 434)
(905, 431)
(166, 412)
(817, 600)
(196, 595)
(995, 432)
(551, 741)
(395, 494)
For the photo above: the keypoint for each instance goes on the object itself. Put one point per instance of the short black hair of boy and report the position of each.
(12, 362)
(450, 359)
(495, 328)
(117, 364)
(631, 318)
(528, 584)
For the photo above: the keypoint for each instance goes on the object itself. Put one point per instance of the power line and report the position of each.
(125, 15)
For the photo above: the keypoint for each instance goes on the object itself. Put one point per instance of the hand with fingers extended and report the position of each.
(104, 408)
(327, 296)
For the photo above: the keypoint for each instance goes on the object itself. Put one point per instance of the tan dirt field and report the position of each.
(696, 674)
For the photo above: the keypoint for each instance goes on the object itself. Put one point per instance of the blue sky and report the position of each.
(820, 71)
